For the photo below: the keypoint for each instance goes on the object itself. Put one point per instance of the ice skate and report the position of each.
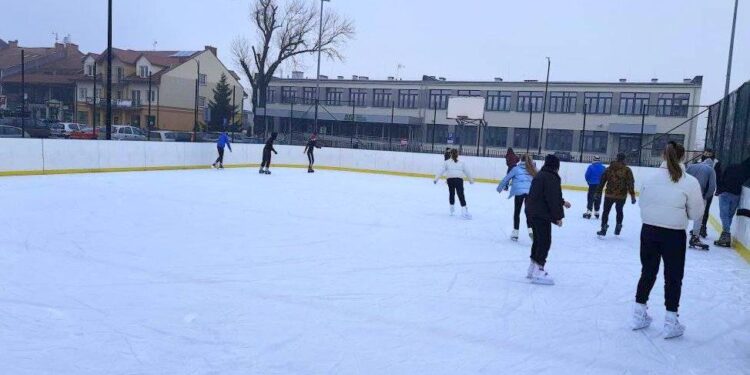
(695, 243)
(514, 235)
(672, 326)
(703, 231)
(618, 229)
(453, 209)
(213, 165)
(540, 276)
(587, 215)
(603, 232)
(261, 171)
(725, 240)
(531, 234)
(310, 170)
(221, 166)
(530, 271)
(267, 171)
(641, 319)
(596, 215)
(465, 213)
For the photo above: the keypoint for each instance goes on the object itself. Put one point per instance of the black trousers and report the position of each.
(708, 210)
(593, 202)
(456, 185)
(619, 204)
(266, 159)
(661, 243)
(220, 159)
(519, 201)
(310, 159)
(542, 240)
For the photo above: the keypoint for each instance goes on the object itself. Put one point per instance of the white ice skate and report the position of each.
(532, 267)
(531, 234)
(465, 213)
(453, 209)
(514, 235)
(672, 326)
(541, 277)
(641, 319)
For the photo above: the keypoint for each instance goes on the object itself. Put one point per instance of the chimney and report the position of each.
(498, 79)
(441, 79)
(687, 80)
(59, 47)
(654, 80)
(363, 78)
(623, 80)
(354, 77)
(212, 49)
(340, 77)
(296, 74)
(13, 43)
(322, 76)
(391, 78)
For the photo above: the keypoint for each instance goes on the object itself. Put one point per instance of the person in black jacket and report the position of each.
(312, 144)
(544, 206)
(267, 149)
(729, 190)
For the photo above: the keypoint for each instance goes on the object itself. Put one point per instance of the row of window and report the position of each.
(135, 95)
(631, 103)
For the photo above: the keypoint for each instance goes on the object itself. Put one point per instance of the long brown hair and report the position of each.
(673, 155)
(454, 155)
(529, 163)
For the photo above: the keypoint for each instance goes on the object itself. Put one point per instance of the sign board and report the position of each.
(450, 138)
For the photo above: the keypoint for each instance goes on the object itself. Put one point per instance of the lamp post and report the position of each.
(195, 110)
(23, 93)
(544, 105)
(731, 49)
(528, 136)
(317, 77)
(109, 71)
(148, 120)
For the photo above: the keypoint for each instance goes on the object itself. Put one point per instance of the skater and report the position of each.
(223, 141)
(593, 177)
(619, 182)
(312, 144)
(456, 170)
(668, 200)
(544, 207)
(706, 176)
(521, 176)
(267, 149)
(447, 154)
(708, 154)
(729, 191)
(511, 159)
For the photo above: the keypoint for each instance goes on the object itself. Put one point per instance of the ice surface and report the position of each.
(231, 272)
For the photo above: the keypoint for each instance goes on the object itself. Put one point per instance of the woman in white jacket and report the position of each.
(668, 200)
(455, 170)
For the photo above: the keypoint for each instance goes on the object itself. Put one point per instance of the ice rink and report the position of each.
(231, 272)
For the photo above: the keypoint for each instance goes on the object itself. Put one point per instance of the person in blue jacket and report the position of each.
(593, 178)
(220, 144)
(521, 176)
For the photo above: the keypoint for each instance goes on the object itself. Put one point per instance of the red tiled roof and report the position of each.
(160, 58)
(37, 78)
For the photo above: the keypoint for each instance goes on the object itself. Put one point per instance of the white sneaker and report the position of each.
(641, 319)
(514, 235)
(453, 209)
(541, 277)
(532, 267)
(531, 234)
(465, 213)
(672, 326)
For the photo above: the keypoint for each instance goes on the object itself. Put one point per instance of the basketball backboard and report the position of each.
(466, 107)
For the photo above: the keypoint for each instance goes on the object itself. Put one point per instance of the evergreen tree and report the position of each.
(221, 107)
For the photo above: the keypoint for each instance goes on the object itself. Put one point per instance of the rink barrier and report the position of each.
(737, 245)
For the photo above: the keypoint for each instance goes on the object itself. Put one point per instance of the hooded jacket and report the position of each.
(619, 180)
(594, 173)
(545, 200)
(733, 177)
(706, 176)
(521, 181)
(668, 204)
(511, 159)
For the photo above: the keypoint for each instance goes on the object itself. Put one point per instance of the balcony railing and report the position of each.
(116, 103)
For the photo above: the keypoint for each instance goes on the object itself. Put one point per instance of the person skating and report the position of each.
(619, 182)
(521, 176)
(267, 149)
(220, 144)
(511, 160)
(544, 207)
(729, 190)
(669, 199)
(447, 153)
(706, 176)
(455, 170)
(312, 144)
(708, 154)
(593, 178)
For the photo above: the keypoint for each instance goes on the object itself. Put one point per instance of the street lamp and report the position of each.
(731, 49)
(317, 77)
(195, 112)
(544, 106)
(109, 72)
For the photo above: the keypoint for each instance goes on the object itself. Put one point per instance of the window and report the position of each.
(598, 102)
(89, 69)
(439, 98)
(381, 97)
(120, 73)
(408, 98)
(562, 101)
(594, 141)
(358, 97)
(333, 95)
(498, 101)
(530, 99)
(559, 140)
(496, 136)
(671, 104)
(136, 97)
(521, 137)
(660, 142)
(634, 103)
(143, 71)
(287, 94)
(270, 95)
(118, 95)
(469, 93)
(202, 79)
(152, 96)
(309, 95)
(83, 93)
(202, 102)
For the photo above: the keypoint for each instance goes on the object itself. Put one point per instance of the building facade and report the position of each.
(620, 116)
(169, 104)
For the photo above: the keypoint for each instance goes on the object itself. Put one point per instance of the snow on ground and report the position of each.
(230, 272)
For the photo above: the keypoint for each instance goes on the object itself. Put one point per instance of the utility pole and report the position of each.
(93, 97)
(528, 136)
(544, 104)
(731, 49)
(109, 71)
(23, 93)
(234, 109)
(195, 110)
(148, 121)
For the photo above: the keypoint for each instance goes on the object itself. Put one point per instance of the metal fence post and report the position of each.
(393, 113)
(640, 144)
(583, 133)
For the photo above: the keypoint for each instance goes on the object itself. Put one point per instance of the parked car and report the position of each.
(127, 133)
(85, 132)
(34, 128)
(64, 129)
(7, 131)
(563, 155)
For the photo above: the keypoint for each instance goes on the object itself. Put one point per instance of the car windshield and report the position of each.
(170, 135)
(137, 131)
(75, 127)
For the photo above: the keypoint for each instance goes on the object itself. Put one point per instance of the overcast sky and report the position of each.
(587, 40)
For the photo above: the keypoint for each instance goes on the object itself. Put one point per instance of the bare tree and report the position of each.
(286, 35)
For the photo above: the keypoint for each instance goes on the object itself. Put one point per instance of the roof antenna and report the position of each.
(155, 44)
(398, 70)
(57, 36)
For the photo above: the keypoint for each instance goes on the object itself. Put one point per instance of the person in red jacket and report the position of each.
(511, 159)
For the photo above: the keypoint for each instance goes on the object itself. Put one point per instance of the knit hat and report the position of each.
(552, 161)
(597, 158)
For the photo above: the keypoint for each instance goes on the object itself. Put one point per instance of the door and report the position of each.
(629, 145)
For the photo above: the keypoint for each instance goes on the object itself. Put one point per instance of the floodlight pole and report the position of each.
(731, 49)
(544, 105)
(528, 136)
(109, 73)
(317, 77)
